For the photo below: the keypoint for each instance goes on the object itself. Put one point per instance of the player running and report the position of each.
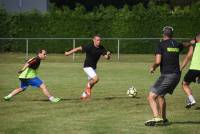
(167, 57)
(28, 76)
(193, 73)
(93, 53)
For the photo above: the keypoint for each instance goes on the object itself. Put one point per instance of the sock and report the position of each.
(51, 98)
(88, 85)
(191, 98)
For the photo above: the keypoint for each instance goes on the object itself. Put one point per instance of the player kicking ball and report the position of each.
(27, 76)
(93, 53)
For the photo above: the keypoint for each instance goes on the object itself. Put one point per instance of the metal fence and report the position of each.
(75, 39)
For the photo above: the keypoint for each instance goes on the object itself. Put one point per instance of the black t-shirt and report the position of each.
(34, 63)
(93, 54)
(170, 50)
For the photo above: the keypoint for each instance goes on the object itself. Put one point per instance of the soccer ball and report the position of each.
(132, 92)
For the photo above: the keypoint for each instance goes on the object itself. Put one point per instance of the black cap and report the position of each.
(168, 31)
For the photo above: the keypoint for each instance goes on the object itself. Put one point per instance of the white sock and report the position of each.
(191, 99)
(88, 85)
(51, 98)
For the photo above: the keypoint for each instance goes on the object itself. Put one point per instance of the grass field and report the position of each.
(110, 110)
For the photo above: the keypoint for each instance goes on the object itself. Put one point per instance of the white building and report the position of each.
(24, 5)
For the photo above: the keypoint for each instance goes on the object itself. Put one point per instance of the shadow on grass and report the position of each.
(103, 98)
(177, 122)
(197, 108)
(185, 122)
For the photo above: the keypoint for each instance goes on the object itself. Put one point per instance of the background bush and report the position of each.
(131, 22)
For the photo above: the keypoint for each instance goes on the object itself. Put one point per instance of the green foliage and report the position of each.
(135, 21)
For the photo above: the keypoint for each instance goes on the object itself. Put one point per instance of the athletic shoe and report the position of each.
(153, 122)
(7, 98)
(190, 104)
(54, 100)
(165, 121)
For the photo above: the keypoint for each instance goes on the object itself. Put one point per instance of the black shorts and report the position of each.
(192, 76)
(166, 83)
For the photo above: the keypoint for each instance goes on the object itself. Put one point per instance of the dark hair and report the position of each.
(198, 35)
(40, 51)
(168, 31)
(97, 35)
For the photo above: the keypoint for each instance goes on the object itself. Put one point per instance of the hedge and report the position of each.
(130, 22)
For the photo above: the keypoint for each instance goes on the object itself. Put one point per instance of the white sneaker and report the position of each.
(190, 104)
(153, 122)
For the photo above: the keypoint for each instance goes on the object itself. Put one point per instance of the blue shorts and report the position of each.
(35, 82)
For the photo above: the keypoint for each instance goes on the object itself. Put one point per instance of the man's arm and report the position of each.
(107, 56)
(189, 53)
(156, 63)
(26, 65)
(187, 57)
(73, 51)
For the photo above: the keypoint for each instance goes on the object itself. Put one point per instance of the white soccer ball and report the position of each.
(132, 92)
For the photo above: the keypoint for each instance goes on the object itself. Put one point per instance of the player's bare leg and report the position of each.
(188, 91)
(153, 104)
(162, 106)
(186, 88)
(46, 93)
(89, 87)
(91, 83)
(13, 93)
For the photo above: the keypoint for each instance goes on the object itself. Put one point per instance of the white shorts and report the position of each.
(90, 72)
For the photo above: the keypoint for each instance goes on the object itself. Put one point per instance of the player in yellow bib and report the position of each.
(28, 76)
(193, 73)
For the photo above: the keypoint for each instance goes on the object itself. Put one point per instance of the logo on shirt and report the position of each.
(171, 49)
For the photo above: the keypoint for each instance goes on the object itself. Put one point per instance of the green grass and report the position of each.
(110, 110)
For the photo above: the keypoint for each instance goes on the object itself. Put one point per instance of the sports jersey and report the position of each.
(30, 71)
(195, 63)
(93, 54)
(169, 49)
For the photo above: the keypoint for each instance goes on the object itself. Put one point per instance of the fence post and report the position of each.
(26, 49)
(74, 45)
(118, 43)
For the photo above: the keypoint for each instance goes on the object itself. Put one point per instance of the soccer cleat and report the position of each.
(154, 121)
(7, 98)
(166, 122)
(54, 100)
(190, 104)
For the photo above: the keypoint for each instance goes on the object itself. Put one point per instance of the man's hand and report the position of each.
(67, 53)
(108, 53)
(152, 70)
(193, 41)
(19, 72)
